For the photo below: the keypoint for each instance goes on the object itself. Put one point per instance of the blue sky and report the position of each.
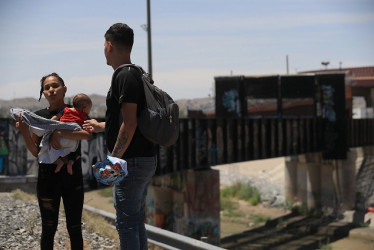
(192, 41)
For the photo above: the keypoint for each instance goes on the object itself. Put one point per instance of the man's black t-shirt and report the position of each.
(126, 87)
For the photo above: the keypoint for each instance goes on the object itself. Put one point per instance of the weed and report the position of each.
(228, 207)
(31, 222)
(363, 224)
(106, 192)
(301, 209)
(227, 204)
(255, 199)
(228, 192)
(281, 224)
(287, 205)
(258, 219)
(326, 246)
(18, 194)
(232, 214)
(98, 224)
(242, 191)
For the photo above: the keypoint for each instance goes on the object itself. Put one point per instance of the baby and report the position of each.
(82, 105)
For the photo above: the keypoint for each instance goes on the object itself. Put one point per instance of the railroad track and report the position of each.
(290, 232)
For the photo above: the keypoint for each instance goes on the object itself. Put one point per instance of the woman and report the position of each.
(51, 186)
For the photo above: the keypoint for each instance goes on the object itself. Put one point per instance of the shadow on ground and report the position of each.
(289, 232)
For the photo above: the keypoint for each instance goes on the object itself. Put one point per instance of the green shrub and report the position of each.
(258, 219)
(229, 191)
(242, 191)
(227, 204)
(255, 199)
(228, 207)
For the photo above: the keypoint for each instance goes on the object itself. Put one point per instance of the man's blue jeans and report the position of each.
(129, 201)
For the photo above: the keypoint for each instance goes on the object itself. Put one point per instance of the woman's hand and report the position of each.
(32, 141)
(94, 126)
(21, 125)
(54, 140)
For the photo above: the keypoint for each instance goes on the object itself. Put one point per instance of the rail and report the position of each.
(160, 237)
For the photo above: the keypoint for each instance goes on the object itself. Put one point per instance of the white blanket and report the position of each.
(44, 127)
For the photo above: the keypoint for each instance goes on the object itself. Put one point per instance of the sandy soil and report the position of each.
(94, 199)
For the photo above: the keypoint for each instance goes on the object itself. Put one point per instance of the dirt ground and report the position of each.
(251, 217)
(94, 199)
(248, 216)
(269, 174)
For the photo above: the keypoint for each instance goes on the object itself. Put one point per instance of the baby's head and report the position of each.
(83, 103)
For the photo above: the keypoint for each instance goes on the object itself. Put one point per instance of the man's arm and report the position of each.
(127, 129)
(94, 126)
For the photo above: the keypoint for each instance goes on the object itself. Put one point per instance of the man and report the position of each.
(125, 100)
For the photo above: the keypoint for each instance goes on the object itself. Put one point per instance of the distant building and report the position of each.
(359, 89)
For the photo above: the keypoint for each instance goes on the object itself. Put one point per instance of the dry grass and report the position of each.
(98, 224)
(18, 194)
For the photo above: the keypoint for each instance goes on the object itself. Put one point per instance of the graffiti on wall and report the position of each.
(201, 142)
(328, 109)
(186, 203)
(333, 111)
(92, 151)
(231, 102)
(3, 146)
(16, 160)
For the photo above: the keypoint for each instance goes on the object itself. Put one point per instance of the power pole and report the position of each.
(149, 38)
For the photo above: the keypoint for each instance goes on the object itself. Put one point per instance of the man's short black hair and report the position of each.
(120, 34)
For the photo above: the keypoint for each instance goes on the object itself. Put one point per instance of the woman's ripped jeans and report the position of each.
(51, 187)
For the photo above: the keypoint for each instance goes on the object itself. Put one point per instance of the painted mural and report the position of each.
(92, 151)
(186, 203)
(4, 151)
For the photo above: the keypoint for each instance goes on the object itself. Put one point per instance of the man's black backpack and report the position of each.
(159, 120)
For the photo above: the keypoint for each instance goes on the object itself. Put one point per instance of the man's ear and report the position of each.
(110, 46)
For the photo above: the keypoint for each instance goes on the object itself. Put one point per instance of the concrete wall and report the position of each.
(331, 185)
(186, 203)
(26, 183)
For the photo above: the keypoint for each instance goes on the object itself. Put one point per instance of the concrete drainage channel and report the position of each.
(160, 237)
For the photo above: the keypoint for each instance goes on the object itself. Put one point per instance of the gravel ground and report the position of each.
(20, 227)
